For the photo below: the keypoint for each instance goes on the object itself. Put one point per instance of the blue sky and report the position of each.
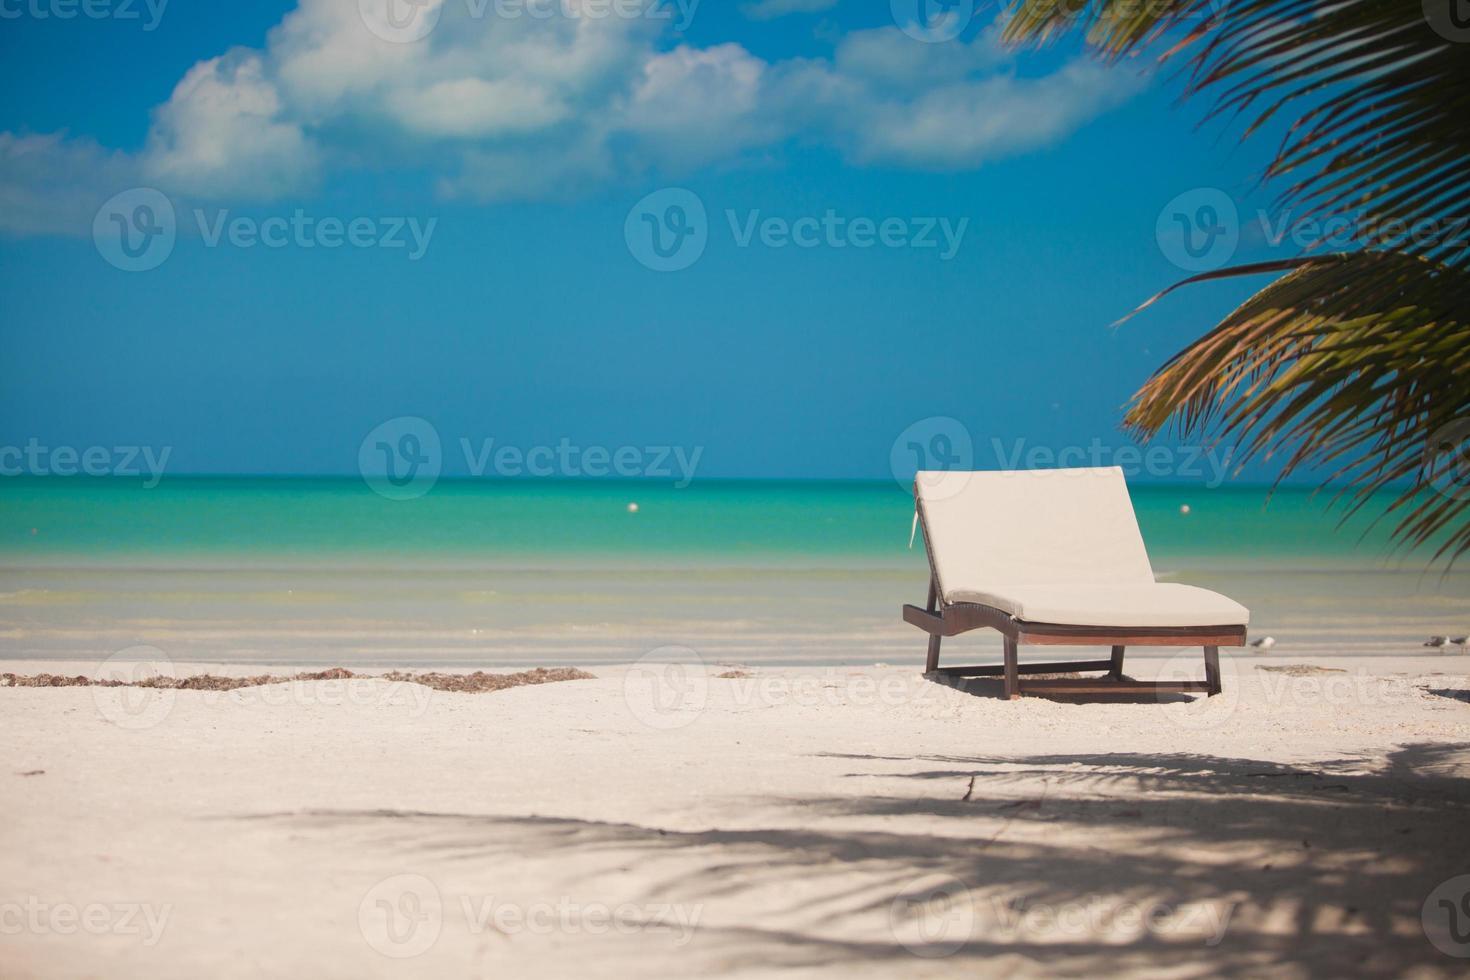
(518, 146)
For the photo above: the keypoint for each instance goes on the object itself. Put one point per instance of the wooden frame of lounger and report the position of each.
(940, 619)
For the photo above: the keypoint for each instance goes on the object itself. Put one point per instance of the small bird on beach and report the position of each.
(1460, 641)
(1437, 642)
(1264, 644)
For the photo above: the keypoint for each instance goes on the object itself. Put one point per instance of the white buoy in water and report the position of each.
(1184, 508)
(632, 508)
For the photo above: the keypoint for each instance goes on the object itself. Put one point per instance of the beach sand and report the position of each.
(668, 821)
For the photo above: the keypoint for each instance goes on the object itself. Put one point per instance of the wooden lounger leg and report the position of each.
(1013, 676)
(1116, 670)
(932, 664)
(1212, 671)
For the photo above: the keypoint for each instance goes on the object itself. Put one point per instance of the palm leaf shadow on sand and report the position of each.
(1353, 850)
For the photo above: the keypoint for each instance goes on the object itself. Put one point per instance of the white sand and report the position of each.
(818, 822)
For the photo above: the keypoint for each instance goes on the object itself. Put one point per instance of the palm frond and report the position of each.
(1381, 140)
(1358, 362)
(1355, 362)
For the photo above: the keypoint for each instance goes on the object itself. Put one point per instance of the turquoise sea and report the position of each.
(518, 572)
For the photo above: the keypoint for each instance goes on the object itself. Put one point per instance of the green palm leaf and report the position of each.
(1357, 361)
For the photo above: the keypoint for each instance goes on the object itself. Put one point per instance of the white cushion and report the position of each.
(1150, 604)
(1054, 546)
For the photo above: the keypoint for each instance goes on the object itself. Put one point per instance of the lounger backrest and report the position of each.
(1031, 526)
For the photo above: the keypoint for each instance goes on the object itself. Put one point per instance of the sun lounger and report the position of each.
(1055, 558)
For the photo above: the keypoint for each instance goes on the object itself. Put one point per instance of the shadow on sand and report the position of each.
(1319, 869)
(993, 688)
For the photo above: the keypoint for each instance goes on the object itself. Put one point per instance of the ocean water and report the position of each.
(297, 571)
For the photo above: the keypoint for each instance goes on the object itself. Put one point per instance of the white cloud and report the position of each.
(50, 182)
(222, 132)
(953, 106)
(966, 123)
(771, 9)
(475, 107)
(545, 172)
(888, 56)
(497, 107)
(695, 105)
